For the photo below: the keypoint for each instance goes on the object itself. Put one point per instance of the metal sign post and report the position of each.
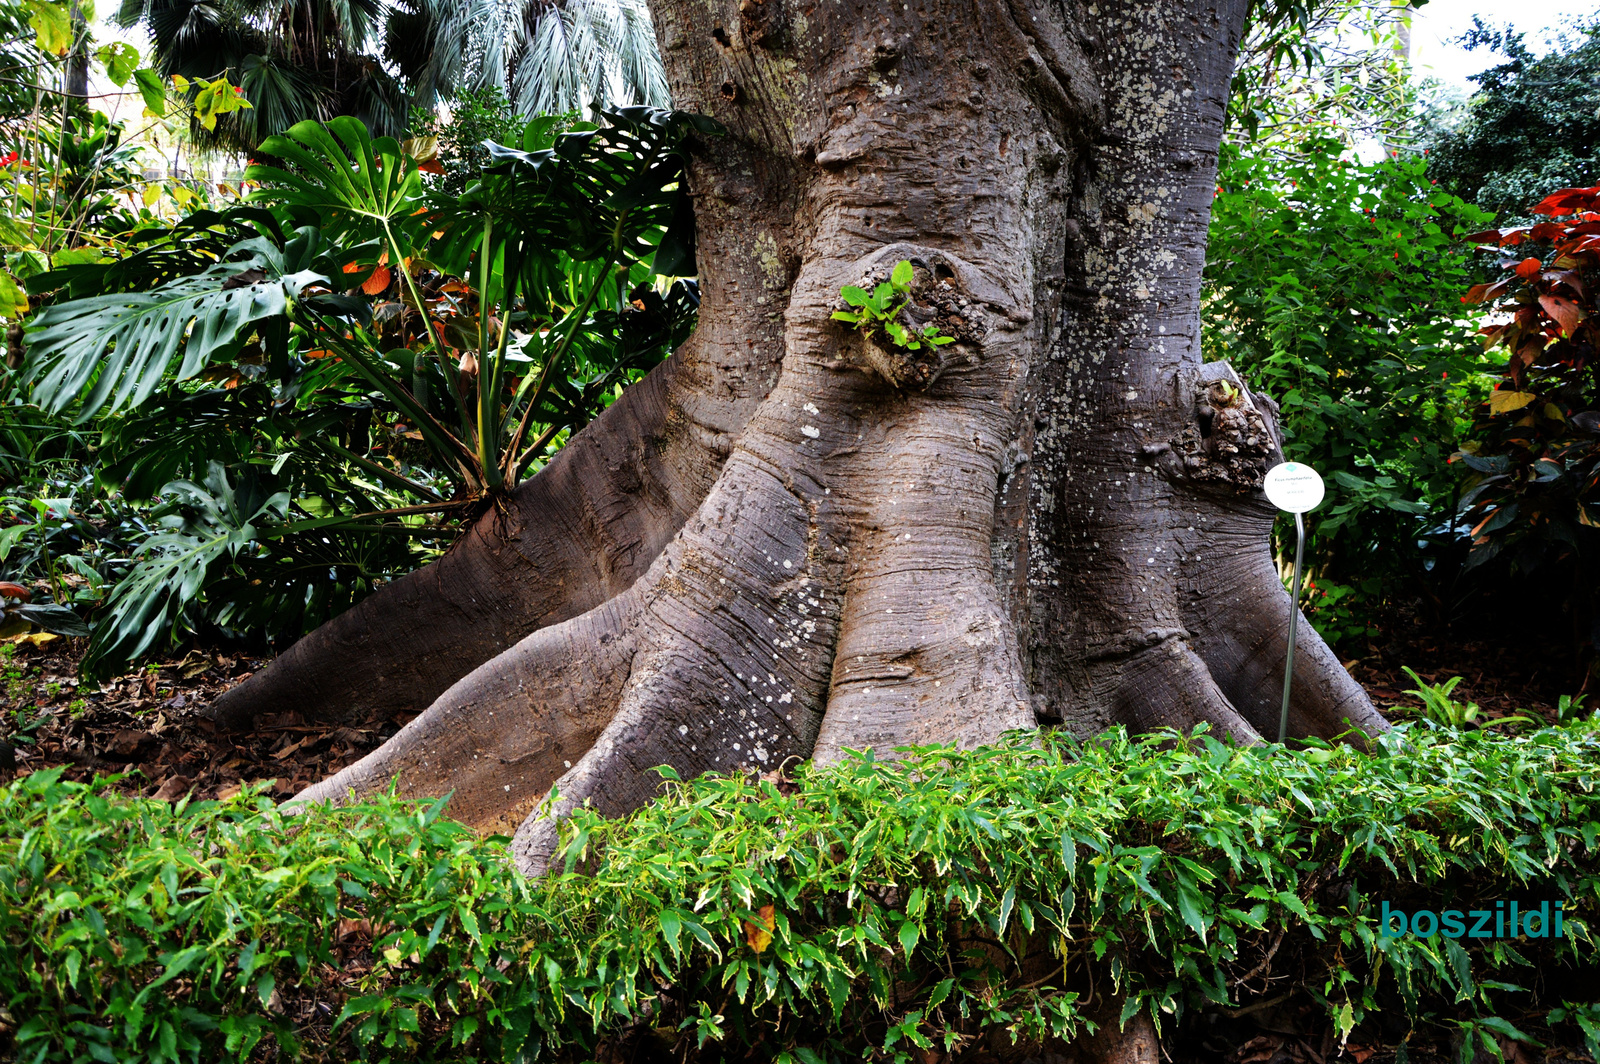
(1294, 623)
(1294, 488)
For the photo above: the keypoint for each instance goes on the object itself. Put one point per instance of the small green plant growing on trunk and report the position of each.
(880, 310)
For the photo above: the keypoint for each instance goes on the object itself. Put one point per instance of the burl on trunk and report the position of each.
(792, 539)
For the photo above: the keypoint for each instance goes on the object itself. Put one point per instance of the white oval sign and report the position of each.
(1293, 487)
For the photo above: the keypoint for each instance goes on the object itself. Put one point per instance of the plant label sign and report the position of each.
(1294, 487)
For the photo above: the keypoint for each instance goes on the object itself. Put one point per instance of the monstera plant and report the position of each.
(348, 301)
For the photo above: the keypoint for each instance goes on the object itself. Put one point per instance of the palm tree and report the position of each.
(547, 56)
(295, 59)
(299, 59)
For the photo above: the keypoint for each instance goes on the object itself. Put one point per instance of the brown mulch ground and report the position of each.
(145, 723)
(1500, 677)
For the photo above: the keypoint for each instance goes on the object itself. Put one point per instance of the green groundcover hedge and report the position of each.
(864, 911)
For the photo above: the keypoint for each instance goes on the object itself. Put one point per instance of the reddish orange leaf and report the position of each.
(431, 167)
(1566, 313)
(1529, 267)
(1568, 201)
(10, 590)
(1485, 521)
(378, 282)
(1484, 293)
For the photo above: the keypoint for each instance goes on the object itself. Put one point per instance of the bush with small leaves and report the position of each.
(870, 910)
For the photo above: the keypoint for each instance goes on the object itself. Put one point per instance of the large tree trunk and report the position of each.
(791, 541)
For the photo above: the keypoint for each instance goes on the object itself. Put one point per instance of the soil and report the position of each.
(1502, 678)
(145, 724)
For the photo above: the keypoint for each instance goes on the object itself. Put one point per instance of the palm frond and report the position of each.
(378, 100)
(638, 57)
(350, 23)
(195, 39)
(410, 47)
(280, 95)
(546, 78)
(549, 57)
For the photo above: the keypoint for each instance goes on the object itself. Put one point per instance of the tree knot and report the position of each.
(1230, 439)
(918, 321)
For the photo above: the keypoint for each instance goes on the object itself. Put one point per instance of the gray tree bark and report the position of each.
(793, 541)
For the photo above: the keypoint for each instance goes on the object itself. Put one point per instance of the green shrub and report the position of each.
(1532, 126)
(1335, 287)
(872, 909)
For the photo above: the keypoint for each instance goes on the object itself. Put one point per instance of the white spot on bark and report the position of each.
(811, 430)
(811, 408)
(683, 729)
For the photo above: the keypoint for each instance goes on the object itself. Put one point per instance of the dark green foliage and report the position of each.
(1532, 127)
(115, 350)
(386, 430)
(475, 117)
(260, 570)
(294, 63)
(70, 540)
(875, 909)
(19, 63)
(1336, 288)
